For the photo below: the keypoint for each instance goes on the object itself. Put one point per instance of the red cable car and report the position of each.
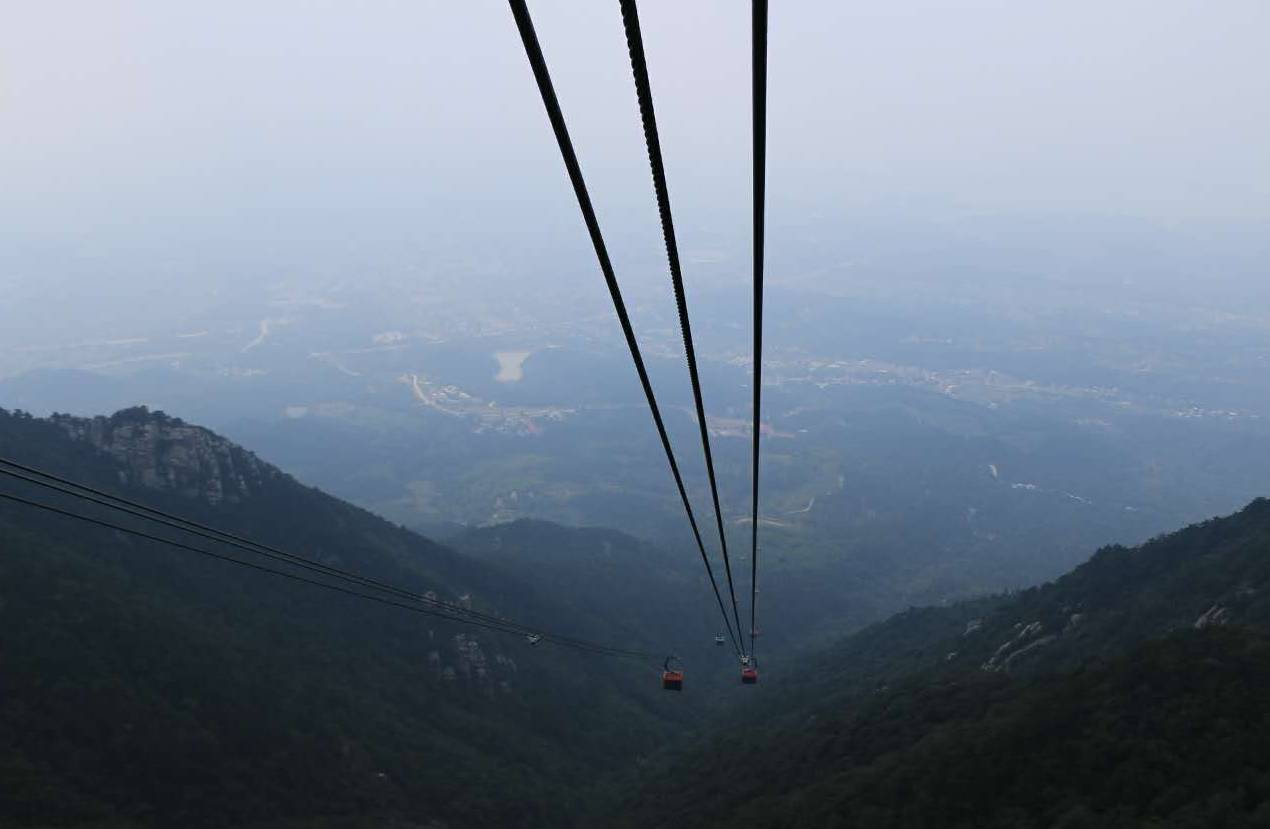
(672, 679)
(749, 676)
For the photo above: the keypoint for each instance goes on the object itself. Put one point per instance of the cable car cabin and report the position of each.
(672, 679)
(749, 676)
(718, 640)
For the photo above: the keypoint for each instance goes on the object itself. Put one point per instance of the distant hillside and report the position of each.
(145, 686)
(1128, 693)
(606, 576)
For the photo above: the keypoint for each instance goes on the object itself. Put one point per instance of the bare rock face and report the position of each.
(166, 453)
(1215, 615)
(1025, 641)
(465, 664)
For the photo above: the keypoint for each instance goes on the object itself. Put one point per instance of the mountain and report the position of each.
(598, 574)
(1129, 692)
(146, 686)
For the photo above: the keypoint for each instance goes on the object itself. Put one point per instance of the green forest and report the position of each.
(145, 687)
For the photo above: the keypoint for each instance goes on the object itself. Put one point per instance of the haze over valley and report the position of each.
(971, 432)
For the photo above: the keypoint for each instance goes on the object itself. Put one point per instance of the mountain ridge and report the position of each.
(145, 686)
(890, 701)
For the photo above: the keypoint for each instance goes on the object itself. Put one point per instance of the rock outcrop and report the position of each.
(162, 452)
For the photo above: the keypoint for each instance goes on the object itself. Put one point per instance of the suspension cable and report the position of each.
(538, 63)
(492, 624)
(87, 493)
(759, 85)
(644, 92)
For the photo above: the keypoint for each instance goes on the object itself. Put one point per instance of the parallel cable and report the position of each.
(644, 92)
(261, 568)
(538, 63)
(443, 610)
(759, 94)
(138, 510)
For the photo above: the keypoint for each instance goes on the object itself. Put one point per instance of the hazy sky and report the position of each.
(186, 143)
(1158, 107)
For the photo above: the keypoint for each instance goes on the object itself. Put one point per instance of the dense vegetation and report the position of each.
(1171, 735)
(616, 582)
(1130, 692)
(145, 686)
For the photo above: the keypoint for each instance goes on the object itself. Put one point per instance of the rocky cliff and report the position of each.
(157, 451)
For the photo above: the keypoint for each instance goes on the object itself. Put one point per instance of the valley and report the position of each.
(918, 450)
(428, 721)
(916, 455)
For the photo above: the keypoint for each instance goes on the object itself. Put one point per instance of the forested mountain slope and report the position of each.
(1128, 693)
(642, 589)
(146, 686)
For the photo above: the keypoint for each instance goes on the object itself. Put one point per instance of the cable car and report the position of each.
(718, 640)
(672, 679)
(749, 675)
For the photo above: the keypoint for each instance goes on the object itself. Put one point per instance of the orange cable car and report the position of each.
(672, 679)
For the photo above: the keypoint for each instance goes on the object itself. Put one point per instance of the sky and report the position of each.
(1157, 107)
(244, 125)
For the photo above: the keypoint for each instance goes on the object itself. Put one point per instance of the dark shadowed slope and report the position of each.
(1128, 693)
(146, 686)
(648, 592)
